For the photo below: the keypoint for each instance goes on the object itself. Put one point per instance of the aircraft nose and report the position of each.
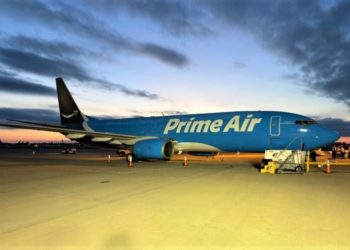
(332, 136)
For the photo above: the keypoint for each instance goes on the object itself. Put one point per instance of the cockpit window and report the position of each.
(305, 122)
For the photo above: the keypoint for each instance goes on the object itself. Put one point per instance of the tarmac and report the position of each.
(55, 201)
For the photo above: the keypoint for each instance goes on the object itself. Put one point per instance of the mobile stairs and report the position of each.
(283, 161)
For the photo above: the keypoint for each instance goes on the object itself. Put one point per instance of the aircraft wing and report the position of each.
(111, 138)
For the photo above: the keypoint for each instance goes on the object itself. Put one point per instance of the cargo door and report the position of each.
(275, 131)
(275, 126)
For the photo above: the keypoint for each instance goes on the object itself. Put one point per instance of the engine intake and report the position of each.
(161, 149)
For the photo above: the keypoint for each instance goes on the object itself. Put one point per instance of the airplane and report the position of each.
(161, 137)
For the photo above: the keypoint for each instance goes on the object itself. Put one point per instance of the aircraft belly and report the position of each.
(222, 142)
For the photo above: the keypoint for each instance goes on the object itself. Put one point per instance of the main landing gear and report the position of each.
(131, 158)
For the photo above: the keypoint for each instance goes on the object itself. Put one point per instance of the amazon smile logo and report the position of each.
(75, 112)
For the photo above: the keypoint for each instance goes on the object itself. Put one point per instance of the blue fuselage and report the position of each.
(253, 131)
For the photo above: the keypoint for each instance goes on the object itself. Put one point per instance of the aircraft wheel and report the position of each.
(121, 153)
(263, 163)
(298, 169)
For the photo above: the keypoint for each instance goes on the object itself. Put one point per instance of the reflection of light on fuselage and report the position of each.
(214, 126)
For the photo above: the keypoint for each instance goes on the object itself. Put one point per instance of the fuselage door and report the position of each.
(275, 126)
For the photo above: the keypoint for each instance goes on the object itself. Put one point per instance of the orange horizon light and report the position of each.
(16, 135)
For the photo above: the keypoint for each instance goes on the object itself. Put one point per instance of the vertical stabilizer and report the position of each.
(70, 114)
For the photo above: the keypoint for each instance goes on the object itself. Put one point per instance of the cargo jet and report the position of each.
(162, 137)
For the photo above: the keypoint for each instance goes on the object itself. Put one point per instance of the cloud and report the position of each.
(291, 76)
(59, 49)
(36, 45)
(340, 125)
(313, 36)
(173, 112)
(133, 92)
(14, 85)
(64, 17)
(57, 62)
(177, 17)
(36, 115)
(34, 63)
(158, 112)
(7, 73)
(163, 54)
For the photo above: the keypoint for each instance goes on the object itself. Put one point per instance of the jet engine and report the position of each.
(161, 149)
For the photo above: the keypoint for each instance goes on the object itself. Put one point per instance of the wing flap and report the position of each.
(101, 139)
(75, 136)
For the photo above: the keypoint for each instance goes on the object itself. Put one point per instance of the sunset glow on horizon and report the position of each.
(20, 135)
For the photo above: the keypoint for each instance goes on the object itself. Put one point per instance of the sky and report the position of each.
(142, 58)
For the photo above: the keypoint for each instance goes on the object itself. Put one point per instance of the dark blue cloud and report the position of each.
(311, 35)
(340, 125)
(37, 64)
(35, 115)
(163, 54)
(15, 85)
(63, 17)
(48, 48)
(177, 17)
(53, 59)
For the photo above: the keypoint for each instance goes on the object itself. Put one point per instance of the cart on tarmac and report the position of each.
(283, 161)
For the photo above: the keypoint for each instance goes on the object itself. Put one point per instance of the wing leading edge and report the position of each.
(110, 138)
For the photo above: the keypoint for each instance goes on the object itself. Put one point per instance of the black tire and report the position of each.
(121, 153)
(298, 169)
(263, 163)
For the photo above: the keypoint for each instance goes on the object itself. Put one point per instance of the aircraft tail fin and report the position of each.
(70, 114)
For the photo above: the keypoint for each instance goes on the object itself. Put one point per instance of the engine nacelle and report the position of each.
(154, 149)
